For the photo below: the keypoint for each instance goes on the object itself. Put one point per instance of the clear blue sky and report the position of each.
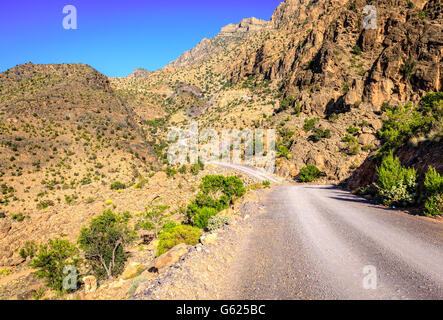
(115, 36)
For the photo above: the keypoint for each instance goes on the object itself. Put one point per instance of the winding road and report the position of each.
(320, 242)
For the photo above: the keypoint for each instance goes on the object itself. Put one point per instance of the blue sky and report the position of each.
(115, 36)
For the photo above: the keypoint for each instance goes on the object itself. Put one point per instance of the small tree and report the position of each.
(51, 260)
(103, 243)
(153, 218)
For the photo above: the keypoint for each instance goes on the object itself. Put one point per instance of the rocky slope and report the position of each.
(229, 35)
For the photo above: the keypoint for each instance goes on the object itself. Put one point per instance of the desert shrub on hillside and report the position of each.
(217, 222)
(433, 182)
(396, 184)
(309, 173)
(51, 260)
(434, 190)
(117, 185)
(178, 234)
(202, 217)
(285, 104)
(309, 124)
(29, 250)
(320, 134)
(153, 218)
(406, 121)
(104, 241)
(216, 192)
(171, 171)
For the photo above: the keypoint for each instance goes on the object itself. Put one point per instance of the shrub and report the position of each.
(28, 250)
(202, 217)
(319, 134)
(403, 122)
(353, 130)
(179, 234)
(309, 124)
(103, 243)
(309, 173)
(396, 184)
(217, 192)
(171, 171)
(433, 182)
(266, 184)
(285, 104)
(153, 218)
(217, 222)
(117, 185)
(356, 50)
(51, 259)
(434, 205)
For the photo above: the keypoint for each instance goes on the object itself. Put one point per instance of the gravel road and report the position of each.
(320, 242)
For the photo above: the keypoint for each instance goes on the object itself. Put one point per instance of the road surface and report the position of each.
(320, 242)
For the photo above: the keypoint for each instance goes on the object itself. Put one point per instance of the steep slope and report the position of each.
(228, 36)
(64, 136)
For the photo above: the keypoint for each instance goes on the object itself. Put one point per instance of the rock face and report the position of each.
(228, 35)
(171, 257)
(400, 60)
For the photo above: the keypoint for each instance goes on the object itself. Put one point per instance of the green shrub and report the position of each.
(104, 241)
(153, 218)
(117, 185)
(171, 171)
(353, 130)
(396, 184)
(202, 217)
(285, 104)
(319, 134)
(217, 192)
(266, 184)
(434, 205)
(217, 222)
(433, 182)
(51, 259)
(309, 173)
(403, 122)
(28, 250)
(356, 50)
(179, 234)
(309, 124)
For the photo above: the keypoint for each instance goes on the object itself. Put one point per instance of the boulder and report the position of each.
(153, 245)
(132, 270)
(366, 139)
(171, 257)
(209, 239)
(90, 284)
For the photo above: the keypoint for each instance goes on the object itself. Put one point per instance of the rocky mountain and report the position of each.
(140, 73)
(230, 34)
